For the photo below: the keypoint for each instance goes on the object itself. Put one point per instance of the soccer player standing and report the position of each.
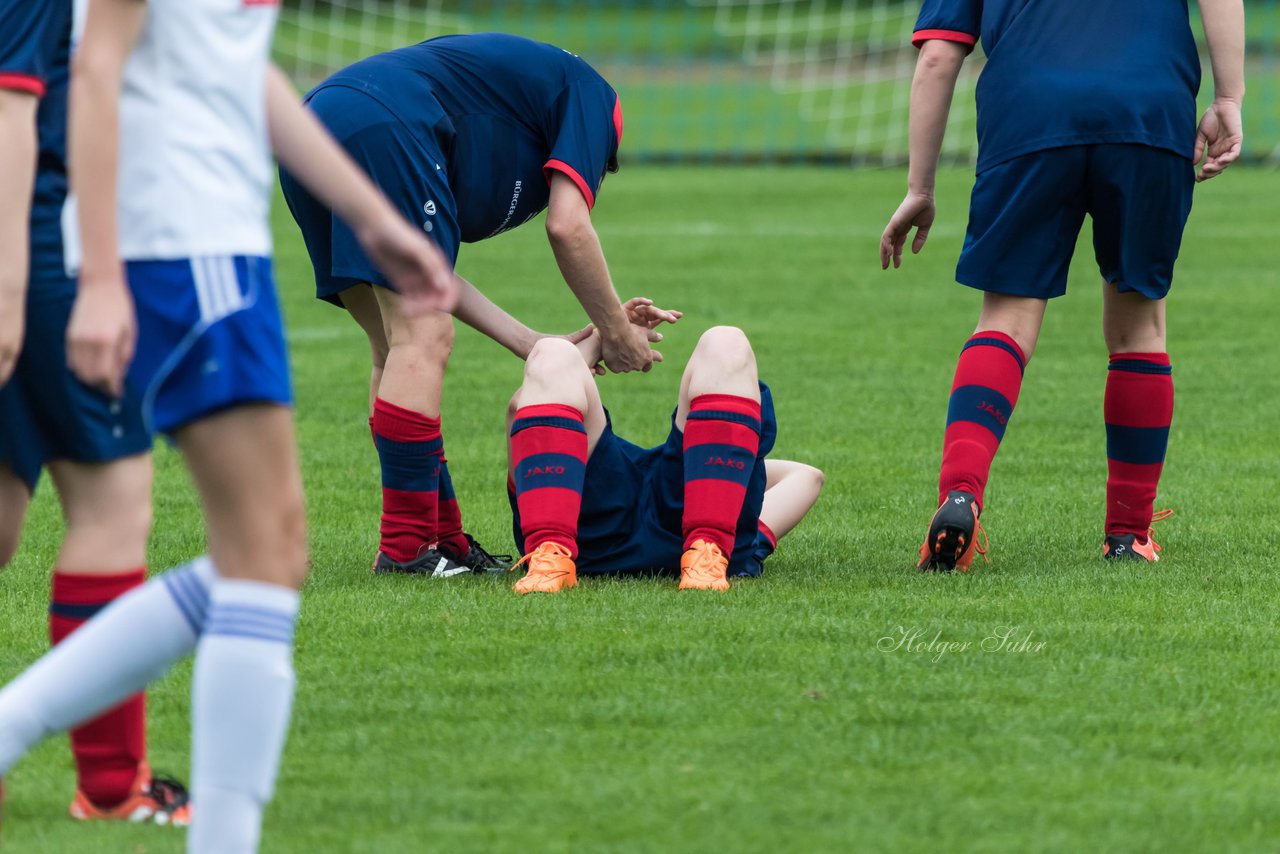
(1086, 107)
(94, 446)
(173, 102)
(470, 135)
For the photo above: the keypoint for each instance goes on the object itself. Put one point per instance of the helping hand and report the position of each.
(916, 211)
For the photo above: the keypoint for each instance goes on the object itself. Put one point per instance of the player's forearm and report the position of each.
(793, 488)
(17, 175)
(1224, 32)
(305, 148)
(932, 88)
(581, 261)
(93, 160)
(486, 317)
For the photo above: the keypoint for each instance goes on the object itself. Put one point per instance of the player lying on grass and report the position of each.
(470, 136)
(1088, 107)
(94, 447)
(169, 146)
(705, 502)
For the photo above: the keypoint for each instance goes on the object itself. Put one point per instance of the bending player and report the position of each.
(470, 135)
(706, 502)
(169, 146)
(94, 447)
(1088, 107)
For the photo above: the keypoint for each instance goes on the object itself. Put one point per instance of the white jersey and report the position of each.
(195, 173)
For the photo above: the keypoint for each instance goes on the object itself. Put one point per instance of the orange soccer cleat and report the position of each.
(551, 569)
(1129, 547)
(154, 800)
(703, 567)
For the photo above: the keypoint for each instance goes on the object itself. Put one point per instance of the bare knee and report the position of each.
(427, 350)
(551, 361)
(726, 350)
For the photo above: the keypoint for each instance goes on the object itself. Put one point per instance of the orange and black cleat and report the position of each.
(1129, 547)
(153, 800)
(551, 569)
(955, 535)
(703, 567)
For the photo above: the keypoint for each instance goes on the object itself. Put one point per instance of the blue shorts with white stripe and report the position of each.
(210, 337)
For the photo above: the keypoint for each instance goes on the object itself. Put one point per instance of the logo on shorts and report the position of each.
(429, 208)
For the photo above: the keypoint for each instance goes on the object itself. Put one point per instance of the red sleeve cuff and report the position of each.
(561, 166)
(919, 37)
(22, 83)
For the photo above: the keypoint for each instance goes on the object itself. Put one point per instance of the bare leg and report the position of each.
(245, 465)
(1018, 317)
(556, 373)
(722, 363)
(790, 491)
(361, 303)
(1131, 323)
(108, 511)
(418, 351)
(14, 499)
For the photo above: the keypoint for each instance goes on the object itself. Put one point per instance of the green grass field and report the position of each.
(625, 716)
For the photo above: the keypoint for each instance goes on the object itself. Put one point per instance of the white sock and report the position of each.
(240, 705)
(131, 642)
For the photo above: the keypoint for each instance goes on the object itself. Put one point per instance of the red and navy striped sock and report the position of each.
(1138, 408)
(721, 440)
(549, 462)
(449, 515)
(110, 749)
(409, 449)
(983, 395)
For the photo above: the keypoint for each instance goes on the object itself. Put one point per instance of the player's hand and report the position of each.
(12, 318)
(418, 270)
(1219, 138)
(101, 333)
(627, 349)
(916, 211)
(642, 312)
(590, 348)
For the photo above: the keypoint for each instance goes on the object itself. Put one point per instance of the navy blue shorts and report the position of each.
(409, 165)
(46, 413)
(210, 337)
(633, 504)
(1026, 214)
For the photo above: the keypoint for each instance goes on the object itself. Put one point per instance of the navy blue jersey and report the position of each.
(35, 49)
(515, 110)
(1075, 72)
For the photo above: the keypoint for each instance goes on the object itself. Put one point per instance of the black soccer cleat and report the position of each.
(953, 535)
(478, 559)
(1129, 547)
(431, 562)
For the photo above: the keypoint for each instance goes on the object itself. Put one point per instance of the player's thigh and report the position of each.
(723, 362)
(361, 303)
(1139, 198)
(107, 506)
(244, 461)
(1024, 219)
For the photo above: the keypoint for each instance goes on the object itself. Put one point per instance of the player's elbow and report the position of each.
(568, 228)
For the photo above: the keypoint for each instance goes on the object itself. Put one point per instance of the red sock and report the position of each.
(110, 749)
(409, 448)
(1138, 408)
(549, 460)
(721, 440)
(983, 395)
(449, 515)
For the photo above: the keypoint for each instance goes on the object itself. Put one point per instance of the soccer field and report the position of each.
(1142, 714)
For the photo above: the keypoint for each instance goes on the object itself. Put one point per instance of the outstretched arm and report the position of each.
(1221, 134)
(791, 489)
(937, 69)
(490, 319)
(17, 175)
(420, 273)
(577, 249)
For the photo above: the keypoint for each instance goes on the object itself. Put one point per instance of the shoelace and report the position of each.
(705, 559)
(168, 792)
(981, 543)
(484, 553)
(1158, 516)
(539, 554)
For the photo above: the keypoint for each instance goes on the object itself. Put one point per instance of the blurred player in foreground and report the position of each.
(173, 174)
(1087, 107)
(706, 502)
(95, 447)
(471, 136)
